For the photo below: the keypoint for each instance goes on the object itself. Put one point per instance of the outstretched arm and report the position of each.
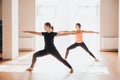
(33, 32)
(89, 32)
(65, 33)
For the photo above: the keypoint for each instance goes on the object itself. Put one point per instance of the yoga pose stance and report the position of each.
(49, 46)
(79, 41)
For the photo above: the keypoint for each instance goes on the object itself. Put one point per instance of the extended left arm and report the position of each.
(89, 32)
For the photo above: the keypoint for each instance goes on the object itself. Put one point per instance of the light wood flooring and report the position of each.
(48, 68)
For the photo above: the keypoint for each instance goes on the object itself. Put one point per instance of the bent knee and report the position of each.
(68, 48)
(34, 55)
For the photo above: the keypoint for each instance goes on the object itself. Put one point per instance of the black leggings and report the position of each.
(53, 52)
(76, 45)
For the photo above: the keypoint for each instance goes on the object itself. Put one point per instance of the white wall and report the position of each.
(109, 23)
(109, 17)
(26, 15)
(26, 22)
(0, 9)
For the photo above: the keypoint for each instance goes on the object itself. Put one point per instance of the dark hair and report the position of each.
(48, 24)
(78, 24)
(52, 27)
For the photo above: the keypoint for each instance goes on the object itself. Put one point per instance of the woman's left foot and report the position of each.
(29, 69)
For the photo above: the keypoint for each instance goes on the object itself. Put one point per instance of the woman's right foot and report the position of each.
(96, 60)
(29, 69)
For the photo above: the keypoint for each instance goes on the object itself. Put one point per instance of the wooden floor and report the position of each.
(48, 68)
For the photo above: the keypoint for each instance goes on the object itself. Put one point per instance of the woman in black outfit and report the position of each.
(49, 46)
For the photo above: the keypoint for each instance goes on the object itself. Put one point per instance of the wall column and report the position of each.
(10, 28)
(109, 25)
(119, 33)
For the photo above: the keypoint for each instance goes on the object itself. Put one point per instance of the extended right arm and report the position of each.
(33, 32)
(64, 33)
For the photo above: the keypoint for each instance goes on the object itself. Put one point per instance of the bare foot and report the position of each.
(29, 69)
(71, 70)
(96, 60)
